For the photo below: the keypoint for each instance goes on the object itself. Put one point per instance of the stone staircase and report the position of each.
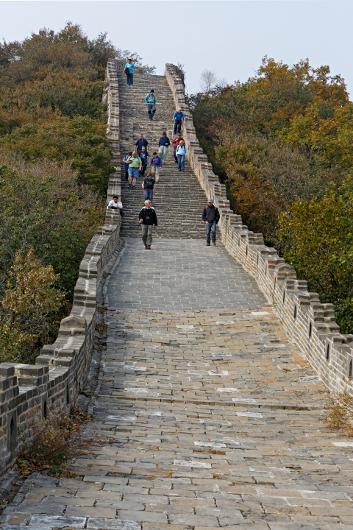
(179, 198)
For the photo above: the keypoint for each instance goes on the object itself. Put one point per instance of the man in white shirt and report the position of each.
(115, 204)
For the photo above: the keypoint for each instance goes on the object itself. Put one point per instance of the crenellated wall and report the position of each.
(311, 324)
(29, 392)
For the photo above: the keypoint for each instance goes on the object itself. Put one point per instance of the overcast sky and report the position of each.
(228, 37)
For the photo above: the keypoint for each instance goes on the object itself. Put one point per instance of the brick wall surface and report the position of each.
(30, 392)
(311, 324)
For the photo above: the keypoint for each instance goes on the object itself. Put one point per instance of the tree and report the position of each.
(43, 207)
(317, 239)
(208, 80)
(30, 307)
(80, 140)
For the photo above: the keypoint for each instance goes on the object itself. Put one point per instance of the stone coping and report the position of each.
(309, 323)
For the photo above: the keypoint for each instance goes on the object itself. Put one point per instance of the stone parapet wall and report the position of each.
(29, 393)
(311, 324)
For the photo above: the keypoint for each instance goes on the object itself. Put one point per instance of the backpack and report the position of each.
(148, 183)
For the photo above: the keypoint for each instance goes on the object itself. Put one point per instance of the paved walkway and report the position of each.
(181, 274)
(213, 415)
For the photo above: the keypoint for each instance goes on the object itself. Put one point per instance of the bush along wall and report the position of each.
(310, 323)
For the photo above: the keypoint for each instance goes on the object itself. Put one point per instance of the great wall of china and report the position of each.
(54, 383)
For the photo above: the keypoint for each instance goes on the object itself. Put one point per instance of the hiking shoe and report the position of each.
(146, 247)
(208, 244)
(214, 243)
(134, 187)
(129, 185)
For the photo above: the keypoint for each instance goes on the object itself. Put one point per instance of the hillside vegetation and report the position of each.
(282, 143)
(54, 169)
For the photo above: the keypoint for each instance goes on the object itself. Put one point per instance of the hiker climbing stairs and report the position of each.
(179, 198)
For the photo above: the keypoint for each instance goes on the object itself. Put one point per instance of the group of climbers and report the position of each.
(136, 162)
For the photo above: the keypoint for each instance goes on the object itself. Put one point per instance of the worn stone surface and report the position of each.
(181, 274)
(214, 421)
(213, 415)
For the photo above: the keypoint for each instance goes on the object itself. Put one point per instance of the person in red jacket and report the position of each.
(176, 142)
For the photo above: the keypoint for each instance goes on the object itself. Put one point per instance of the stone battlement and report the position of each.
(29, 393)
(311, 324)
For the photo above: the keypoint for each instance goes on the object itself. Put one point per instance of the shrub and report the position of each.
(29, 308)
(80, 140)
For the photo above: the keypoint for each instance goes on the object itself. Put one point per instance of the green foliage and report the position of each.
(29, 307)
(54, 161)
(282, 143)
(42, 206)
(317, 239)
(80, 140)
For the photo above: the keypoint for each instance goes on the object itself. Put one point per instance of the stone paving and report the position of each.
(181, 274)
(213, 415)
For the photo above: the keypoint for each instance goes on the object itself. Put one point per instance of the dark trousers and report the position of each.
(150, 111)
(175, 157)
(148, 195)
(130, 79)
(127, 172)
(143, 169)
(177, 126)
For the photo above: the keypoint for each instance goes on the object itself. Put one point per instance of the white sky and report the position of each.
(228, 37)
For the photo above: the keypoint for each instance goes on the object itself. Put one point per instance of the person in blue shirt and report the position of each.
(129, 70)
(150, 99)
(178, 118)
(164, 143)
(126, 166)
(181, 153)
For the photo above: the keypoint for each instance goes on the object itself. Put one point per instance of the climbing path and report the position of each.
(213, 415)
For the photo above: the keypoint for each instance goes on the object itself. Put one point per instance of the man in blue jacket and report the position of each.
(140, 143)
(178, 118)
(150, 99)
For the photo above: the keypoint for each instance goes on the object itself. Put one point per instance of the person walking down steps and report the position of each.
(164, 143)
(149, 187)
(144, 159)
(210, 216)
(178, 119)
(126, 165)
(129, 71)
(147, 218)
(176, 142)
(140, 143)
(135, 165)
(181, 153)
(156, 164)
(151, 101)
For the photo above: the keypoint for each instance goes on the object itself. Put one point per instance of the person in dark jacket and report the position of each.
(147, 218)
(144, 159)
(210, 216)
(140, 143)
(164, 143)
(149, 187)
